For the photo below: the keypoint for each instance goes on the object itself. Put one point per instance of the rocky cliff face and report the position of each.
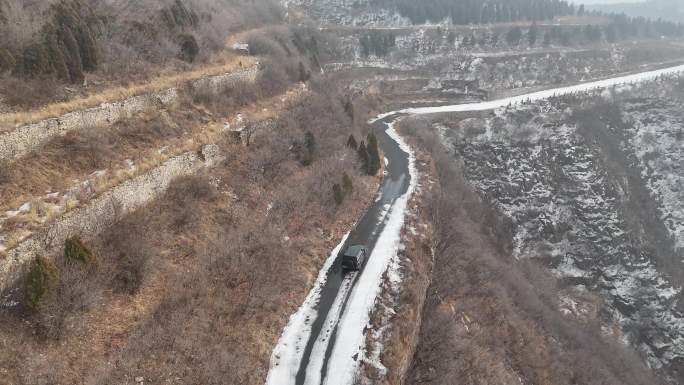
(348, 13)
(593, 190)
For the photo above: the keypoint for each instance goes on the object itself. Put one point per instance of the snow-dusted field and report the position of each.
(546, 94)
(565, 210)
(656, 140)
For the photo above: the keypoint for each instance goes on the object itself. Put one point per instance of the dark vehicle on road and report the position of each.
(354, 257)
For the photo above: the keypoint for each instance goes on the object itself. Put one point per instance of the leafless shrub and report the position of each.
(5, 172)
(25, 21)
(262, 44)
(226, 100)
(273, 79)
(87, 149)
(28, 93)
(131, 254)
(184, 198)
(79, 288)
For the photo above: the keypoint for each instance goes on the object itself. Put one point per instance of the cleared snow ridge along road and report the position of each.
(338, 307)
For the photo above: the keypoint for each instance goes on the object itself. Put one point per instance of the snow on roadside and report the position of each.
(287, 355)
(317, 358)
(545, 94)
(345, 357)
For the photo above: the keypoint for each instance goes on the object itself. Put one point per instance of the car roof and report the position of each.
(353, 251)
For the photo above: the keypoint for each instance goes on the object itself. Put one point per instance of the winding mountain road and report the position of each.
(323, 341)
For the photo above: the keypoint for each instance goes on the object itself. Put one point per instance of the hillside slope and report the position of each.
(671, 10)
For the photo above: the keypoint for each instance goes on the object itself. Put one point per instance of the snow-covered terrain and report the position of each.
(656, 138)
(553, 185)
(546, 94)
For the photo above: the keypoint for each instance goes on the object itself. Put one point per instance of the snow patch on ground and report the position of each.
(287, 355)
(656, 140)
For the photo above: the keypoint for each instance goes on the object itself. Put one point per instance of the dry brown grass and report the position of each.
(160, 82)
(67, 161)
(215, 293)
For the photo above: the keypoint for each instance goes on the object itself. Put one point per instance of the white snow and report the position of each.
(287, 355)
(26, 207)
(545, 94)
(381, 116)
(317, 358)
(345, 357)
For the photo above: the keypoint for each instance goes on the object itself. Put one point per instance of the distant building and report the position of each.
(242, 48)
(464, 86)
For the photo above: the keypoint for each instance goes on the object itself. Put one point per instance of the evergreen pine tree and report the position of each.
(304, 75)
(347, 184)
(309, 148)
(76, 251)
(373, 155)
(533, 34)
(42, 277)
(88, 48)
(7, 61)
(351, 142)
(338, 194)
(72, 54)
(349, 108)
(363, 156)
(513, 36)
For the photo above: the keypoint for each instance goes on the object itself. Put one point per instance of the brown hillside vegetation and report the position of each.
(70, 170)
(56, 45)
(168, 286)
(195, 287)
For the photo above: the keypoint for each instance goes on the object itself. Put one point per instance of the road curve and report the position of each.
(302, 356)
(546, 94)
(335, 293)
(310, 350)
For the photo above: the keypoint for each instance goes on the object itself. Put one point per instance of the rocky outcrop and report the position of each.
(103, 211)
(246, 133)
(29, 137)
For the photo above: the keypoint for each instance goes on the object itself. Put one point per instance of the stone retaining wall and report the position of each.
(24, 139)
(103, 211)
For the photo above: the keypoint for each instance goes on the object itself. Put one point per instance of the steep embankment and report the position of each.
(576, 177)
